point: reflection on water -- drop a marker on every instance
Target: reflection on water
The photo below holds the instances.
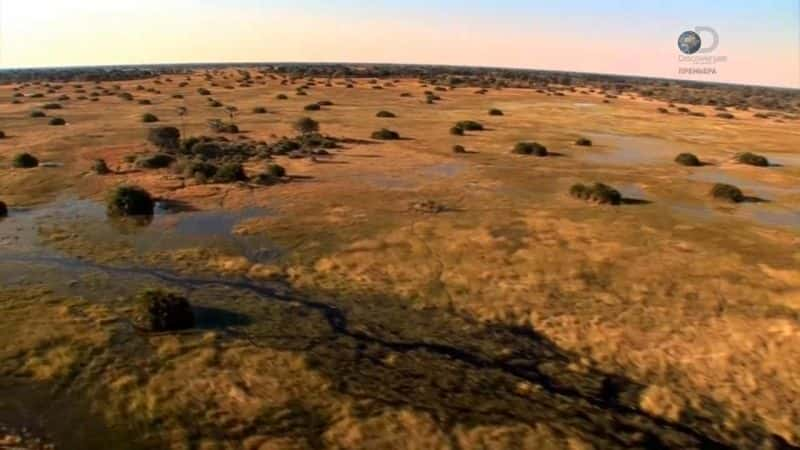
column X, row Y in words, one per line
column 21, row 231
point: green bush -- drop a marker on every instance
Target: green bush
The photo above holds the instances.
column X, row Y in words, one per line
column 156, row 161
column 325, row 103
column 149, row 118
column 37, row 114
column 276, row 170
column 312, row 107
column 456, row 131
column 100, row 167
column 127, row 96
column 203, row 91
column 282, row 97
column 688, row 159
column 583, row 142
column 727, row 192
column 495, row 112
column 530, row 148
column 24, row 161
column 158, row 310
column 51, row 106
column 459, row 149
column 129, row 201
column 306, row 125
column 57, row 121
column 385, row 134
column 165, row 138
column 3, row 209
column 598, row 193
column 385, row 114
column 752, row 159
column 145, row 101
column 259, row 110
column 230, row 173
column 469, row 125
column 726, row 115
column 2, row 134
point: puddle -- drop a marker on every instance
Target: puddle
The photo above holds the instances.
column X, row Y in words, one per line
column 628, row 150
column 750, row 187
column 20, row 231
column 762, row 214
column 450, row 169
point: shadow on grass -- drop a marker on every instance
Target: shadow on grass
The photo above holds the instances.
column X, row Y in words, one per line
column 383, row 353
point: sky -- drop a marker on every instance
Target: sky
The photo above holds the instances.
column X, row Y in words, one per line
column 760, row 39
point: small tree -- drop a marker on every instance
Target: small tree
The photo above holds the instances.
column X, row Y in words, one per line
column 306, row 125
column 165, row 138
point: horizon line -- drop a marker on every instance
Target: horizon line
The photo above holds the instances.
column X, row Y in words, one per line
column 343, row 63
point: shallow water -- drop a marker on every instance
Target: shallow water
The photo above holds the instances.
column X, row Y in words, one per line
column 749, row 186
column 21, row 231
column 627, row 150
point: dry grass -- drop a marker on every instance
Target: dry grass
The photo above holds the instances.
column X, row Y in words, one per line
column 698, row 311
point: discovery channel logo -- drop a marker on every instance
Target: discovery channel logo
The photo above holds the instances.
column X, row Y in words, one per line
column 696, row 48
column 690, row 42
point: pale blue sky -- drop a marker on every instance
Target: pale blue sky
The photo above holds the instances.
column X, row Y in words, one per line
column 761, row 39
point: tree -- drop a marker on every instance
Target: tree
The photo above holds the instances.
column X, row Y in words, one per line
column 306, row 125
column 165, row 138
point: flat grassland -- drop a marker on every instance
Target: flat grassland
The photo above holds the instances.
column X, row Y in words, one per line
column 395, row 294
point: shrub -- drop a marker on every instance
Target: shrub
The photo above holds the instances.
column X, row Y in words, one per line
column 129, row 201
column 223, row 127
column 583, row 142
column 325, row 103
column 726, row 115
column 306, row 125
column 752, row 159
column 469, row 125
column 203, row 91
column 36, row 114
column 459, row 149
column 276, row 170
column 598, row 193
column 200, row 170
column 57, row 121
column 312, row 107
column 156, row 161
column 165, row 138
column 51, row 106
column 282, row 97
column 722, row 191
column 3, row 209
column 127, row 96
column 385, row 114
column 495, row 112
column 456, row 131
column 24, row 161
column 385, row 134
column 2, row 134
column 145, row 101
column 159, row 310
column 230, row 173
column 149, row 118
column 530, row 148
column 178, row 96
column 259, row 110
column 688, row 159
column 663, row 110
column 100, row 167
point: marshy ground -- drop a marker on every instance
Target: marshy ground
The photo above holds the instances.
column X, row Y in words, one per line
column 393, row 293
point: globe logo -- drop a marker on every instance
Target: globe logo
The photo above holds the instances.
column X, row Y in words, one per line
column 689, row 42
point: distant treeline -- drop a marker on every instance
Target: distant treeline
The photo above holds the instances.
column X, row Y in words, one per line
column 673, row 91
